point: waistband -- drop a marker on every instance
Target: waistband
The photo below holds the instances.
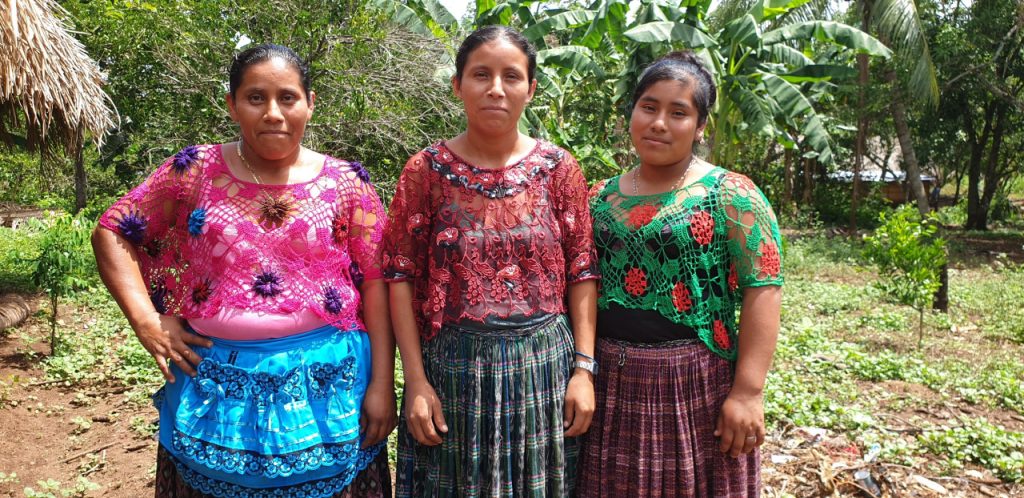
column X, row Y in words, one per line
column 527, row 329
column 294, row 341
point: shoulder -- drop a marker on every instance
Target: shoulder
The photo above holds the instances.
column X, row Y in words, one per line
column 346, row 169
column 603, row 185
column 194, row 157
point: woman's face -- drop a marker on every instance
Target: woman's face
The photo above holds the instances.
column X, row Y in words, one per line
column 271, row 108
column 664, row 124
column 495, row 88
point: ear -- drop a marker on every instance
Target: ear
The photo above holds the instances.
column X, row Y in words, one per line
column 533, row 90
column 230, row 99
column 312, row 102
column 457, row 87
column 699, row 132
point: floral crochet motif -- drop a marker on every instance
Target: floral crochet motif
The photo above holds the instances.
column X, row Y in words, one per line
column 208, row 253
column 703, row 244
column 323, row 375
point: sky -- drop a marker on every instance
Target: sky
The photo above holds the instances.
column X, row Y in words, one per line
column 457, row 7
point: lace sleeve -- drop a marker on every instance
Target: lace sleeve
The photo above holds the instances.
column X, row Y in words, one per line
column 572, row 206
column 146, row 213
column 753, row 233
column 367, row 223
column 405, row 242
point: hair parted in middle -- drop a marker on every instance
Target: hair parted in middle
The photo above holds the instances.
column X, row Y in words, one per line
column 488, row 34
column 685, row 67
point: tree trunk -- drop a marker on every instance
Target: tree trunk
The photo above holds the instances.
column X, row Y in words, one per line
column 80, row 178
column 808, row 180
column 977, row 216
column 991, row 171
column 13, row 311
column 862, row 118
column 899, row 117
column 787, row 191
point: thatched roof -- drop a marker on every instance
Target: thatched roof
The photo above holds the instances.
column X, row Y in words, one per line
column 48, row 83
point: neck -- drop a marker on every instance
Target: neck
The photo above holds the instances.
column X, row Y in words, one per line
column 272, row 171
column 492, row 151
column 667, row 175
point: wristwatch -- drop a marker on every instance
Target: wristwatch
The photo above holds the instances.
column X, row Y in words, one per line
column 590, row 366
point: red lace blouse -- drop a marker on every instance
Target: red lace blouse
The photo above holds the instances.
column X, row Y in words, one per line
column 484, row 245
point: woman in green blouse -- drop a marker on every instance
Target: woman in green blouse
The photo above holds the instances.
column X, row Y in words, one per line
column 682, row 245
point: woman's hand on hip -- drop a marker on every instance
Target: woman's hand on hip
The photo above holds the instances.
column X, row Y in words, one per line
column 740, row 426
column 165, row 338
column 423, row 413
column 579, row 403
column 379, row 416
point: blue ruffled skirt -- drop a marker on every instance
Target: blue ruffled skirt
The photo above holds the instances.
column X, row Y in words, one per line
column 276, row 417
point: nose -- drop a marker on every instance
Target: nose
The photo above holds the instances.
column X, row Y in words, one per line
column 496, row 89
column 658, row 124
column 273, row 113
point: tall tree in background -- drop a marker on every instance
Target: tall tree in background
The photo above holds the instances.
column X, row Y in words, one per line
column 912, row 77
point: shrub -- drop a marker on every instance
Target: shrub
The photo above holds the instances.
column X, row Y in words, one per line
column 910, row 257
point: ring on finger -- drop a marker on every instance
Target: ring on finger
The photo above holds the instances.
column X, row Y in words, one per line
column 751, row 438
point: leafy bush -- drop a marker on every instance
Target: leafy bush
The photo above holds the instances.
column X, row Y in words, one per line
column 910, row 257
column 65, row 263
column 978, row 441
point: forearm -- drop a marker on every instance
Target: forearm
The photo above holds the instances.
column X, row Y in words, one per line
column 121, row 272
column 583, row 315
column 378, row 328
column 407, row 333
column 759, row 332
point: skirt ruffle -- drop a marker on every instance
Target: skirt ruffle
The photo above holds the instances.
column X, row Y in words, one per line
column 270, row 414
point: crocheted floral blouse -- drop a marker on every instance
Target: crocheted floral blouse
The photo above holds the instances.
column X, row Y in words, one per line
column 489, row 244
column 207, row 240
column 688, row 253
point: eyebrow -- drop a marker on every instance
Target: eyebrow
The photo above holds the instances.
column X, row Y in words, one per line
column 678, row 103
column 506, row 68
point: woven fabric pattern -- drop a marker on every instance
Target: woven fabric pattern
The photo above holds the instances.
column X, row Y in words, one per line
column 503, row 398
column 653, row 430
column 207, row 240
column 687, row 253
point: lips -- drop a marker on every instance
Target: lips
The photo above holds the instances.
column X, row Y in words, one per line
column 656, row 141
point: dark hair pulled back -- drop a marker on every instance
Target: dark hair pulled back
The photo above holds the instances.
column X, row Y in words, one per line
column 262, row 53
column 684, row 67
column 488, row 34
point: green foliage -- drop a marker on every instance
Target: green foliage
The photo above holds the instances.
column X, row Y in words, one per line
column 18, row 251
column 52, row 488
column 65, row 263
column 978, row 441
column 910, row 257
column 831, row 200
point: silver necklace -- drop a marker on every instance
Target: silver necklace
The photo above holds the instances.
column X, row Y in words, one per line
column 675, row 186
column 238, row 148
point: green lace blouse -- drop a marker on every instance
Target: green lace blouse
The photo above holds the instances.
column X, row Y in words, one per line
column 688, row 253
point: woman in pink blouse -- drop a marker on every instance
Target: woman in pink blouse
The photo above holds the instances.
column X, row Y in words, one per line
column 491, row 263
column 251, row 272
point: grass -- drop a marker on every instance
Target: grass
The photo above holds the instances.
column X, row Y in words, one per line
column 843, row 356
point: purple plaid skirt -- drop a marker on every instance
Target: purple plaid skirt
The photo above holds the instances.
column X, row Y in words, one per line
column 653, row 431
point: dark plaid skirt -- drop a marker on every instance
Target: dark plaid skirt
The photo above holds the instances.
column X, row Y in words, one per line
column 653, row 430
column 373, row 482
column 503, row 394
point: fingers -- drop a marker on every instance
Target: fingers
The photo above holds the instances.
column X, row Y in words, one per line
column 569, row 413
column 580, row 423
column 161, row 363
column 195, row 340
column 438, row 417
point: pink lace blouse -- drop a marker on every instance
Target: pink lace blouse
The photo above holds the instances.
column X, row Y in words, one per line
column 210, row 242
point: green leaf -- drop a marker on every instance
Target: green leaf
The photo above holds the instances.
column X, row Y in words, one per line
column 441, row 15
column 756, row 115
column 741, row 31
column 830, row 31
column 820, row 72
column 670, row 32
column 572, row 57
column 765, row 10
column 559, row 22
column 403, row 16
column 787, row 55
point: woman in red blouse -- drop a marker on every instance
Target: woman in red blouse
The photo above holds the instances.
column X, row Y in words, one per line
column 491, row 258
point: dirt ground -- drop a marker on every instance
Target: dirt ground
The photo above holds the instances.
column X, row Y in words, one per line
column 44, row 436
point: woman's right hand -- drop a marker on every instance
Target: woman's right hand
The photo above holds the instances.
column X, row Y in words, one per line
column 165, row 338
column 423, row 413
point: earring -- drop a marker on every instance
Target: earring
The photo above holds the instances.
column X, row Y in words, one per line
column 701, row 140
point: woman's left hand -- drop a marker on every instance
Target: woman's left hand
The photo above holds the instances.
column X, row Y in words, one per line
column 579, row 403
column 740, row 426
column 380, row 415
